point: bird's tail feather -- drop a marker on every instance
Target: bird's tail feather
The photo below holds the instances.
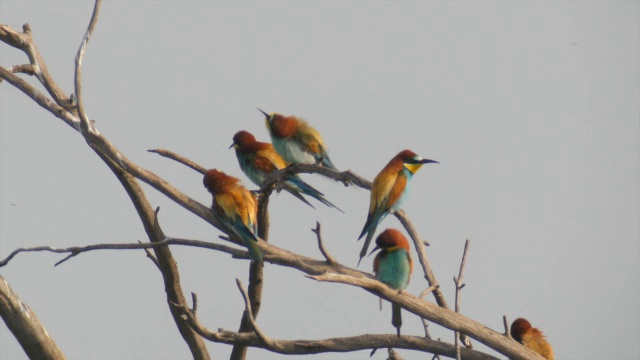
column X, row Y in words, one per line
column 255, row 251
column 367, row 241
column 293, row 191
column 396, row 317
column 306, row 189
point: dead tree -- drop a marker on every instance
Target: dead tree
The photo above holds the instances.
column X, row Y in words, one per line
column 71, row 110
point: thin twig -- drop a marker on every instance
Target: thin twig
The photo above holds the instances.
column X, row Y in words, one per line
column 194, row 300
column 150, row 256
column 427, row 335
column 85, row 125
column 179, row 158
column 75, row 250
column 507, row 331
column 323, row 250
column 247, row 307
column 459, row 285
column 428, row 290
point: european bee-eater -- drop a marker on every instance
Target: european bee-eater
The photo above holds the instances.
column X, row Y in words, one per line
column 296, row 141
column 258, row 159
column 236, row 207
column 522, row 332
column 393, row 266
column 389, row 191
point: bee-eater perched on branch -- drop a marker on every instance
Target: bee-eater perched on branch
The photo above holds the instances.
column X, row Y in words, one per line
column 393, row 266
column 389, row 191
column 296, row 141
column 522, row 332
column 258, row 159
column 236, row 207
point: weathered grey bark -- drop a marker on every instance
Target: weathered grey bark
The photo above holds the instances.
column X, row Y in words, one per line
column 25, row 326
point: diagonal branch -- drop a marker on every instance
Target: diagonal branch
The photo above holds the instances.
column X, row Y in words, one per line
column 167, row 265
column 40, row 99
column 24, row 41
column 179, row 158
column 25, row 326
column 433, row 313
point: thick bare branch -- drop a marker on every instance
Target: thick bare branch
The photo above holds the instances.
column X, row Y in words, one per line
column 346, row 344
column 433, row 313
column 25, row 326
column 23, row 68
column 167, row 265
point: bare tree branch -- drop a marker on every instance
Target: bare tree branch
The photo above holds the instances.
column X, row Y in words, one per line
column 179, row 158
column 433, row 313
column 256, row 277
column 40, row 98
column 168, row 266
column 237, row 253
column 323, row 250
column 25, row 326
column 346, row 344
column 78, row 70
column 247, row 308
column 459, row 285
column 24, row 41
column 23, row 68
column 507, row 332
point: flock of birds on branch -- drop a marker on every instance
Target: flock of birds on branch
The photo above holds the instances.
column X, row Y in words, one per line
column 294, row 141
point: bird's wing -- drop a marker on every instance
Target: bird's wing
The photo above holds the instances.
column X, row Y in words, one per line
column 238, row 204
column 271, row 156
column 384, row 191
column 397, row 189
column 311, row 140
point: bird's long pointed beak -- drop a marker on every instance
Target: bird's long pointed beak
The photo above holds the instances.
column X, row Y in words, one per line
column 426, row 161
column 262, row 111
column 374, row 250
column 232, row 145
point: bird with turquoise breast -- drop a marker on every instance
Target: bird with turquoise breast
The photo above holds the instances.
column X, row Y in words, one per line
column 389, row 191
column 296, row 141
column 259, row 159
column 236, row 207
column 393, row 266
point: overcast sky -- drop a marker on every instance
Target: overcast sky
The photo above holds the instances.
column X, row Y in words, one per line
column 532, row 109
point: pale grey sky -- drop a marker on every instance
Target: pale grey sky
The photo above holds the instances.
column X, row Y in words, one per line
column 532, row 108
